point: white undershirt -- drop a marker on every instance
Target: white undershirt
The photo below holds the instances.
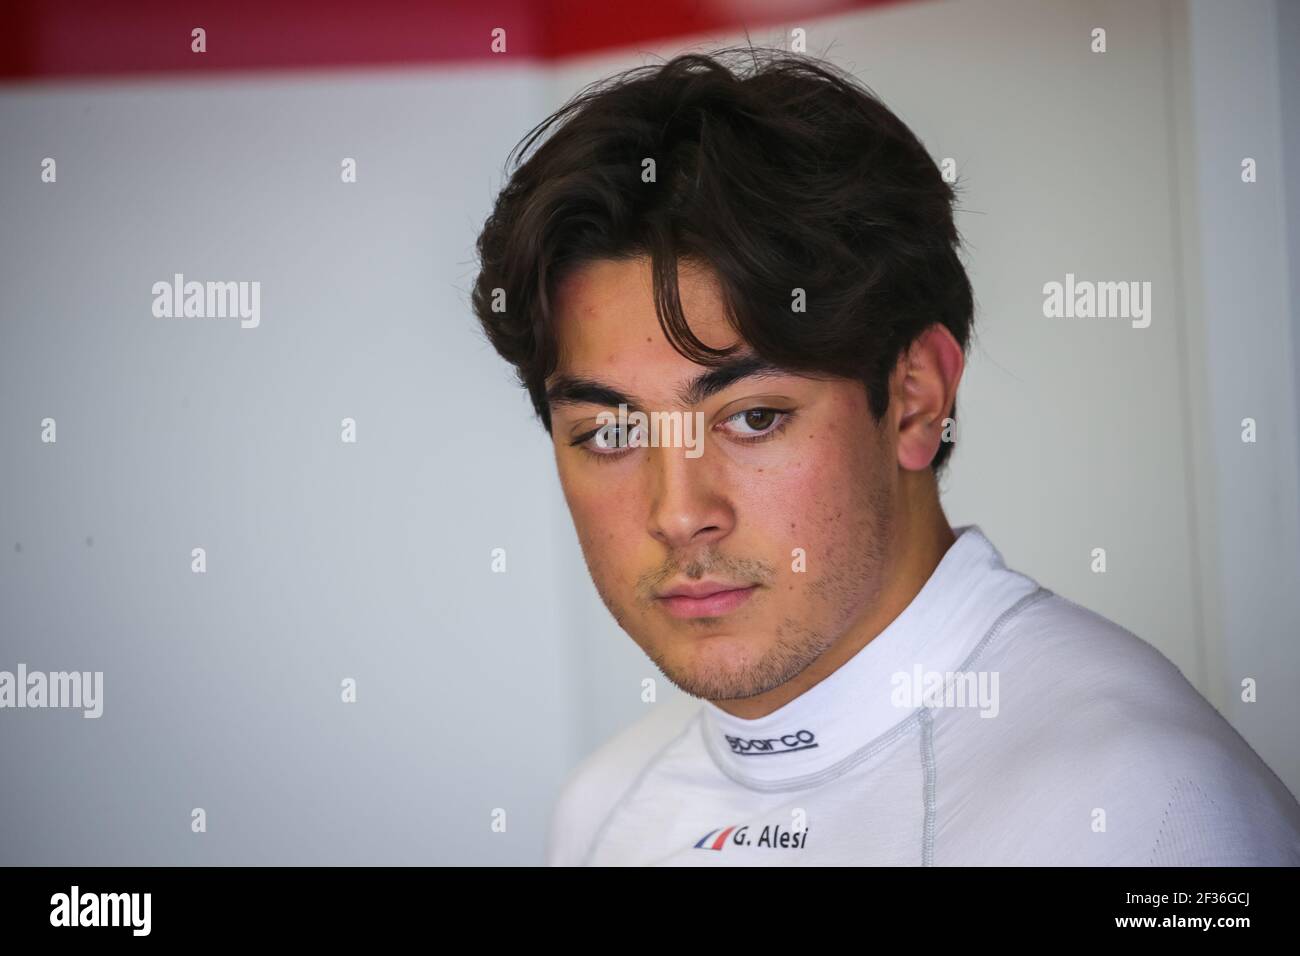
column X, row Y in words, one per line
column 1092, row 750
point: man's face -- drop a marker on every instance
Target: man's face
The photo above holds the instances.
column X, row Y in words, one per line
column 737, row 568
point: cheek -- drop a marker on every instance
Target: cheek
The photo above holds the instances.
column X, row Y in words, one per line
column 827, row 504
column 818, row 496
column 605, row 519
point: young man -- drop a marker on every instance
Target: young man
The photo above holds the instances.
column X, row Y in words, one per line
column 733, row 292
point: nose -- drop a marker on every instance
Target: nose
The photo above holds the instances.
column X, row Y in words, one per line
column 688, row 504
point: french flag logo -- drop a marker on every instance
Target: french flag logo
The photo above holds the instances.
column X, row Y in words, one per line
column 717, row 844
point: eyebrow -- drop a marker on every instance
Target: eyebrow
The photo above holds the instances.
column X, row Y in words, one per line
column 572, row 390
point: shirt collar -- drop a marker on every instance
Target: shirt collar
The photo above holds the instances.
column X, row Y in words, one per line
column 837, row 718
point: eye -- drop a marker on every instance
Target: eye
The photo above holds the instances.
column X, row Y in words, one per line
column 755, row 424
column 609, row 441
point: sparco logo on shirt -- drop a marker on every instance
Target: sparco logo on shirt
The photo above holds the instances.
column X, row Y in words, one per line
column 771, row 837
column 786, row 744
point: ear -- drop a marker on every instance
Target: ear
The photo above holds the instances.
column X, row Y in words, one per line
column 922, row 392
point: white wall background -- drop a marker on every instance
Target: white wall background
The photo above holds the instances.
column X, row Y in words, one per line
column 1246, row 261
column 480, row 691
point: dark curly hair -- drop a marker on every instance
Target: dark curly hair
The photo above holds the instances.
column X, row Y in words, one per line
column 778, row 172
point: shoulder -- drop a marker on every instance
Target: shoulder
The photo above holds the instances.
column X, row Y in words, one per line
column 1103, row 670
column 605, row 776
column 1110, row 722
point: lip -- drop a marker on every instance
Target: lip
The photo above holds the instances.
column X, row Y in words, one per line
column 704, row 600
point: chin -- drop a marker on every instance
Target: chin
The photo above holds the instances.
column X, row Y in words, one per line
column 725, row 659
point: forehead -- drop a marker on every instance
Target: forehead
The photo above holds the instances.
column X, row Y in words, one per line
column 606, row 325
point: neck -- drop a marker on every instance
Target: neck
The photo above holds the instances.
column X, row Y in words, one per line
column 923, row 537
